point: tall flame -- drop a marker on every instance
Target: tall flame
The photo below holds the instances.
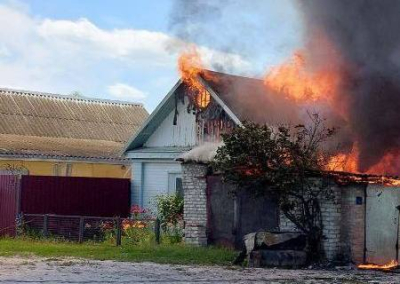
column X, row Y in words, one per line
column 296, row 82
column 190, row 67
column 299, row 82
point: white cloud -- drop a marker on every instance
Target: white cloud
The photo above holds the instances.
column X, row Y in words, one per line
column 126, row 92
column 128, row 44
column 65, row 55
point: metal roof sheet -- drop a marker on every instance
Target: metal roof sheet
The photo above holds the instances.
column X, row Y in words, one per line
column 71, row 126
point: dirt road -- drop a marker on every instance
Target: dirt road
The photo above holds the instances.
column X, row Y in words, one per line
column 42, row 270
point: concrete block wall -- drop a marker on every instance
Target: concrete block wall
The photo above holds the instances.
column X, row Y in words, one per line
column 195, row 207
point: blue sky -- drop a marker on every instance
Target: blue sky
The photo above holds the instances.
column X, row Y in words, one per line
column 127, row 49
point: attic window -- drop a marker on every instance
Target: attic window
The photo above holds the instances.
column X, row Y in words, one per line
column 203, row 99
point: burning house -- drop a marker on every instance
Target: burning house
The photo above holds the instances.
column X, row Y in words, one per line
column 194, row 112
column 348, row 72
column 172, row 151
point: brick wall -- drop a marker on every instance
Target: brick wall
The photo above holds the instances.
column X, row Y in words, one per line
column 331, row 219
column 343, row 219
column 343, row 224
column 195, row 207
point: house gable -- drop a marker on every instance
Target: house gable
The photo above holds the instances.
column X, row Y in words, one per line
column 175, row 124
column 182, row 133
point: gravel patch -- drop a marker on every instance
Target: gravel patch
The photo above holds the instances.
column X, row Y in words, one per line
column 69, row 270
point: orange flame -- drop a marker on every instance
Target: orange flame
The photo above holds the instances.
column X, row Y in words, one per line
column 190, row 67
column 348, row 162
column 388, row 266
column 297, row 82
column 344, row 162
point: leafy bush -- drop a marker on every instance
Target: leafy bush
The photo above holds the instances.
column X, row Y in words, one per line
column 170, row 209
column 170, row 213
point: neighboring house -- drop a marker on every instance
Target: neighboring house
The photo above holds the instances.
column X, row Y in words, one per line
column 46, row 134
column 186, row 118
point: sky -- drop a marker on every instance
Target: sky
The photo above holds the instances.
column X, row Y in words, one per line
column 127, row 49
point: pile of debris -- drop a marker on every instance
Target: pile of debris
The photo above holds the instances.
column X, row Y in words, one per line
column 274, row 249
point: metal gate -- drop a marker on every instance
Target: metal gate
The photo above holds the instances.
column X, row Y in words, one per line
column 230, row 218
column 9, row 197
column 382, row 223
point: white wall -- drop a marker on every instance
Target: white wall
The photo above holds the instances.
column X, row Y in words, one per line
column 182, row 134
column 152, row 176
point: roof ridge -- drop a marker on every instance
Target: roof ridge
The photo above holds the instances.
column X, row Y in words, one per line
column 67, row 97
column 231, row 75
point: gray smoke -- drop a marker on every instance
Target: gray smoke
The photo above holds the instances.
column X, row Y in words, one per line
column 233, row 26
column 366, row 34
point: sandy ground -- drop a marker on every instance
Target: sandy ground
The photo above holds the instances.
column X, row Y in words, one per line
column 41, row 270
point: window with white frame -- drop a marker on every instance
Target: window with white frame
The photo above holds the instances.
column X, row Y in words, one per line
column 175, row 184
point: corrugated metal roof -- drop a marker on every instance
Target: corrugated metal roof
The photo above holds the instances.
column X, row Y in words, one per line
column 70, row 126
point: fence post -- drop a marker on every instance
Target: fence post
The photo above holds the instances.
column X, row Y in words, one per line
column 45, row 225
column 157, row 226
column 81, row 229
column 119, row 233
column 19, row 224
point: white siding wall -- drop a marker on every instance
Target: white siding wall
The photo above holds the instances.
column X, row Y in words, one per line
column 136, row 182
column 182, row 134
column 153, row 176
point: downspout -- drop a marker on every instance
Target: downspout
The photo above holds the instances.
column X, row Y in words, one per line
column 365, row 225
column 141, row 184
column 397, row 235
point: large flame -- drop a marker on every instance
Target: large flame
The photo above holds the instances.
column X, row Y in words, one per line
column 299, row 82
column 349, row 162
column 191, row 68
column 388, row 266
column 296, row 81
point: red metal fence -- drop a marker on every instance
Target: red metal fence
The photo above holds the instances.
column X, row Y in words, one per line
column 105, row 197
column 102, row 197
column 9, row 195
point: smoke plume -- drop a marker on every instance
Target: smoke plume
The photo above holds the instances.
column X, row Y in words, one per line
column 365, row 34
column 239, row 27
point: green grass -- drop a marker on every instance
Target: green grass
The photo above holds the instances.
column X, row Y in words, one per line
column 173, row 254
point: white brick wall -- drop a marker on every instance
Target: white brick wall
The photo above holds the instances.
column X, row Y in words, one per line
column 195, row 208
column 331, row 218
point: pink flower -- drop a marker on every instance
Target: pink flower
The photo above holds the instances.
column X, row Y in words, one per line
column 136, row 209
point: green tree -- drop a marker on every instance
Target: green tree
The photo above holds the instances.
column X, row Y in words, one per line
column 286, row 163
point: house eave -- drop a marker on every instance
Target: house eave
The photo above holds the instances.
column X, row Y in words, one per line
column 170, row 153
column 58, row 158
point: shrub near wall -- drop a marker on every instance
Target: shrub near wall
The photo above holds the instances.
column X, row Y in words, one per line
column 170, row 214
